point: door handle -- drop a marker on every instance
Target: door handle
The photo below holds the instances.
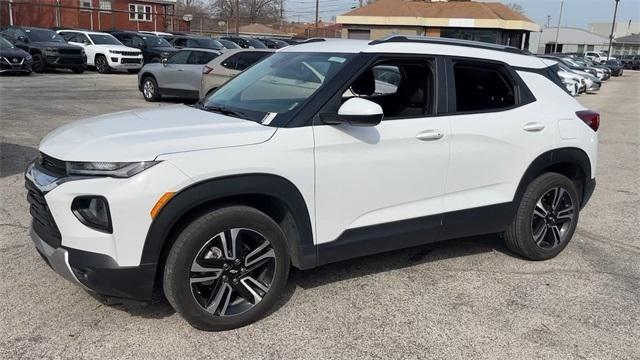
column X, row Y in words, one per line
column 533, row 127
column 429, row 135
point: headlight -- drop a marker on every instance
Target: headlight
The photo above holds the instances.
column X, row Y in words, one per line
column 28, row 57
column 113, row 169
column 114, row 52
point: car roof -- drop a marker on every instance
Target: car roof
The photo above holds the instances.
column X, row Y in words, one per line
column 202, row 49
column 85, row 32
column 422, row 45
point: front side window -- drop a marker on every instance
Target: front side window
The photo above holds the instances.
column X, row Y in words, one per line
column 180, row 57
column 482, row 87
column 269, row 89
column 139, row 12
column 403, row 87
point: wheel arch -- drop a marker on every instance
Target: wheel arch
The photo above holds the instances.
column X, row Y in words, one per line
column 277, row 197
column 571, row 162
column 145, row 75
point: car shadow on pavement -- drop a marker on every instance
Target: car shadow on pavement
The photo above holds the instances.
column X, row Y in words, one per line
column 14, row 158
column 398, row 259
column 344, row 270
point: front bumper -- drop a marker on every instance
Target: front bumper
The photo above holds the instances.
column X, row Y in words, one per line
column 98, row 273
column 66, row 61
column 125, row 62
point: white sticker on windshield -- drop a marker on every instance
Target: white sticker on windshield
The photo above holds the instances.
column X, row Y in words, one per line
column 267, row 119
column 337, row 59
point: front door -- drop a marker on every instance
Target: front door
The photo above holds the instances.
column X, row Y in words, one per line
column 368, row 176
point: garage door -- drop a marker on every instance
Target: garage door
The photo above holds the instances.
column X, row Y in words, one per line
column 359, row 34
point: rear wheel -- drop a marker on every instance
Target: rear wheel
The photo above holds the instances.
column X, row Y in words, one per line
column 546, row 218
column 227, row 268
column 150, row 89
column 102, row 65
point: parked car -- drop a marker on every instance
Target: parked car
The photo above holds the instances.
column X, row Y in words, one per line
column 214, row 203
column 616, row 67
column 598, row 56
column 245, row 42
column 177, row 76
column 588, row 63
column 157, row 33
column 567, row 61
column 13, row 60
column 192, row 41
column 273, row 43
column 228, row 44
column 48, row 49
column 104, row 52
column 154, row 48
column 226, row 66
column 631, row 62
column 291, row 41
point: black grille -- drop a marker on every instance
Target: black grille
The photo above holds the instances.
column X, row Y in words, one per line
column 43, row 223
column 130, row 61
column 69, row 51
column 57, row 167
column 129, row 53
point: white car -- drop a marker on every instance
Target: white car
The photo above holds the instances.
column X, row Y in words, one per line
column 598, row 56
column 214, row 203
column 104, row 52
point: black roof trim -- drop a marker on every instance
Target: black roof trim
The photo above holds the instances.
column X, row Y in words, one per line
column 449, row 41
column 312, row 40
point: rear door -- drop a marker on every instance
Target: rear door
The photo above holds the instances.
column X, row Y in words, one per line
column 171, row 76
column 192, row 70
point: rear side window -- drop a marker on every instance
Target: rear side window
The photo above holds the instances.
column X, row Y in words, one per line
column 230, row 63
column 482, row 87
column 249, row 58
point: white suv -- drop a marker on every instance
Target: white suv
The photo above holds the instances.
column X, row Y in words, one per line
column 283, row 167
column 104, row 51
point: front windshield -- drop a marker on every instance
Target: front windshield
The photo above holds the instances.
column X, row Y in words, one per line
column 571, row 62
column 155, row 41
column 104, row 39
column 5, row 44
column 37, row 35
column 276, row 86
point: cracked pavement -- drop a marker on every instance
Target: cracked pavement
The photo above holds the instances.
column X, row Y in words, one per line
column 460, row 299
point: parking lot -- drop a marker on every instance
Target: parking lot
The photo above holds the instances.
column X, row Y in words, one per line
column 451, row 300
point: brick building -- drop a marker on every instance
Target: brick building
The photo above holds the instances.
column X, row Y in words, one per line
column 150, row 15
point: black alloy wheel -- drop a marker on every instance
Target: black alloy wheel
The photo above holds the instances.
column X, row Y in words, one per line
column 102, row 65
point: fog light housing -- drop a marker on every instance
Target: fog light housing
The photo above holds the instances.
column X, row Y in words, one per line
column 93, row 211
column 115, row 60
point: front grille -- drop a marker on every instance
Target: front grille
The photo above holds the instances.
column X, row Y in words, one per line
column 69, row 51
column 57, row 167
column 43, row 223
column 129, row 53
column 130, row 61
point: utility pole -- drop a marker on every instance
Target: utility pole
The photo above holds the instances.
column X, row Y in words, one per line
column 317, row 7
column 613, row 27
column 237, row 17
column 548, row 20
column 555, row 45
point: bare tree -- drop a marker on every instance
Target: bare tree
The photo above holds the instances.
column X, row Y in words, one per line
column 516, row 7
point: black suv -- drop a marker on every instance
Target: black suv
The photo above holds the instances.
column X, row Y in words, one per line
column 245, row 42
column 154, row 48
column 190, row 41
column 48, row 49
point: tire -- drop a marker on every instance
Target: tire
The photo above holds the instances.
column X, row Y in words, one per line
column 102, row 65
column 79, row 70
column 535, row 236
column 150, row 89
column 38, row 63
column 225, row 296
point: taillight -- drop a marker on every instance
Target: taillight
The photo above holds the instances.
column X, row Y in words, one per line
column 590, row 118
column 207, row 69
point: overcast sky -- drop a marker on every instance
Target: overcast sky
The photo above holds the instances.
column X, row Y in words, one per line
column 576, row 12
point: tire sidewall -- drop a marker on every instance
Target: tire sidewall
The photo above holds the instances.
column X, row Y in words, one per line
column 104, row 68
column 540, row 186
column 41, row 68
column 191, row 240
column 153, row 82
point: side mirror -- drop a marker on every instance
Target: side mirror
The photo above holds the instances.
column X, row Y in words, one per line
column 23, row 39
column 164, row 61
column 355, row 112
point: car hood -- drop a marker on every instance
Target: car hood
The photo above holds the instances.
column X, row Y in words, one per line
column 118, row 47
column 54, row 44
column 144, row 134
column 13, row 52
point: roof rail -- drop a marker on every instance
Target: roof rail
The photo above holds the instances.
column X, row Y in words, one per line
column 449, row 41
column 312, row 40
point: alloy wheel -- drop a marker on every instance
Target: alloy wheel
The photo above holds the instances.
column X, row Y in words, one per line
column 148, row 89
column 552, row 218
column 101, row 65
column 232, row 272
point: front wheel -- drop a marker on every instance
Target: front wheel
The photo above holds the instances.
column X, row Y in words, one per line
column 546, row 218
column 227, row 268
column 102, row 65
column 150, row 89
column 38, row 63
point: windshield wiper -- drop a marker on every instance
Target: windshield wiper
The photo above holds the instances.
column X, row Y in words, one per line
column 222, row 110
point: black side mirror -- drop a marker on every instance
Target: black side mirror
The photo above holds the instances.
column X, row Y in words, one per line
column 355, row 112
column 23, row 39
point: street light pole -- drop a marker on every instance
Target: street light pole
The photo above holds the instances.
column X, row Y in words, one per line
column 613, row 27
column 555, row 45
